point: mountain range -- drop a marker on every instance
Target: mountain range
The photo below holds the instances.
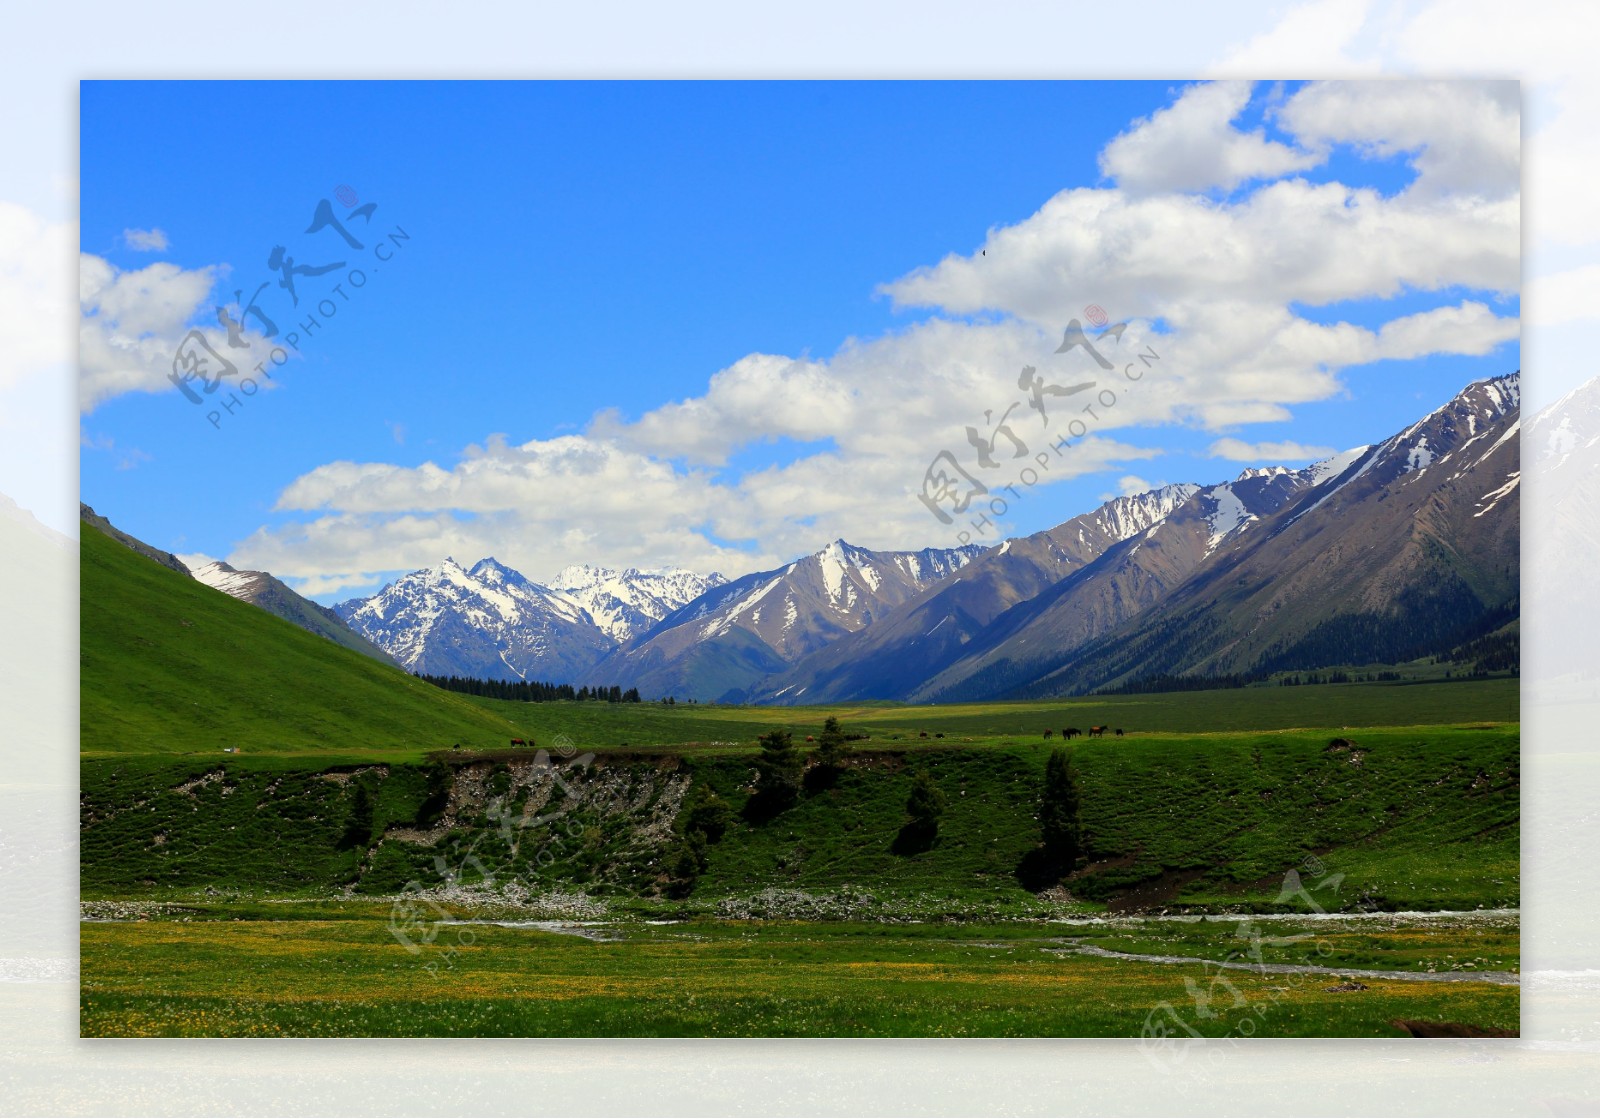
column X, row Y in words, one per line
column 727, row 641
column 666, row 631
column 1388, row 552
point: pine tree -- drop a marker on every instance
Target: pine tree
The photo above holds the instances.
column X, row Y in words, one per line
column 440, row 779
column 1059, row 823
column 688, row 863
column 358, row 830
column 830, row 745
column 778, row 771
column 706, row 813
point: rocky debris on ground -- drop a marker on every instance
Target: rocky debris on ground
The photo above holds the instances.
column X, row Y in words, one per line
column 1059, row 895
column 127, row 910
column 1347, row 985
column 514, row 899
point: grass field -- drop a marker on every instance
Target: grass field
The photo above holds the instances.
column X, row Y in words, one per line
column 351, row 977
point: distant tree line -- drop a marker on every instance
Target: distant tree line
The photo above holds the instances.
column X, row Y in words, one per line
column 529, row 691
column 1496, row 652
column 1165, row 682
column 1339, row 676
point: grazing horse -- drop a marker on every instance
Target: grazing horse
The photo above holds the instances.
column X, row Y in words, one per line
column 1071, row 732
column 1097, row 732
column 1119, row 732
column 1047, row 735
column 518, row 742
column 923, row 734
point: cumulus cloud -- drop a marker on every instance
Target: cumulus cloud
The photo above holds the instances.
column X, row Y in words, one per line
column 1462, row 137
column 1469, row 328
column 132, row 322
column 1192, row 145
column 543, row 504
column 1282, row 452
column 145, row 240
column 1288, row 242
column 762, row 396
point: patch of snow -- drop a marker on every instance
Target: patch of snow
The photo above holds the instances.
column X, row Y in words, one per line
column 718, row 626
column 1507, row 434
column 1319, row 472
column 1493, row 496
column 1420, row 456
column 1228, row 516
column 226, row 579
column 832, row 563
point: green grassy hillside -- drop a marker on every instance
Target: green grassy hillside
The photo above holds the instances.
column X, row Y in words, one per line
column 169, row 666
column 1410, row 820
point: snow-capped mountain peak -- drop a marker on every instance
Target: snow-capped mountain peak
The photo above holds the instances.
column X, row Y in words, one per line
column 492, row 621
column 1123, row 518
column 628, row 602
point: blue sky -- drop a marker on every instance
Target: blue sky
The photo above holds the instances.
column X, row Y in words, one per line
column 574, row 248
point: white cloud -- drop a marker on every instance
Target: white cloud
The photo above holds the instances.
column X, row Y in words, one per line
column 1289, row 241
column 132, row 323
column 145, row 240
column 1461, row 136
column 1192, row 145
column 761, row 396
column 1283, row 452
column 542, row 504
column 1470, row 328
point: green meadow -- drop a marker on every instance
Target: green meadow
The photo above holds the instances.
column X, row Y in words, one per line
column 255, row 892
